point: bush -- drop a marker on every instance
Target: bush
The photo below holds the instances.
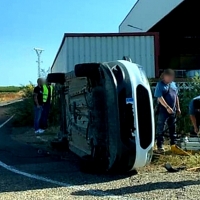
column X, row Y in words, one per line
column 185, row 96
column 24, row 111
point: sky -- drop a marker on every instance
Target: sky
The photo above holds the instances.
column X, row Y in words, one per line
column 28, row 24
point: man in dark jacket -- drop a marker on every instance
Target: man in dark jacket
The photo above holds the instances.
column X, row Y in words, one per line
column 38, row 103
column 166, row 93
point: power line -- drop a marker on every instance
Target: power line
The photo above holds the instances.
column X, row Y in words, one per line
column 39, row 52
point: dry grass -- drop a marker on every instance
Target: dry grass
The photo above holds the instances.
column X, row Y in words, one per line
column 176, row 160
column 9, row 96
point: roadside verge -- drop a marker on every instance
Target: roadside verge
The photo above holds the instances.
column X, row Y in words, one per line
column 10, row 102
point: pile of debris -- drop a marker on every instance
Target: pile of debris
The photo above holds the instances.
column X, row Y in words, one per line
column 186, row 146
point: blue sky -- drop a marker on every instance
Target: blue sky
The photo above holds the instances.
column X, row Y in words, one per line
column 25, row 24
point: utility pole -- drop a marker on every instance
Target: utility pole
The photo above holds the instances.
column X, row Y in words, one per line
column 38, row 52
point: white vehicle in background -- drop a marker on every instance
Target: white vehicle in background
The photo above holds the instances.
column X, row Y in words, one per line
column 107, row 114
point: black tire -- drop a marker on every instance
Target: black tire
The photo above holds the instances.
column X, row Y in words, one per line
column 86, row 69
column 56, row 78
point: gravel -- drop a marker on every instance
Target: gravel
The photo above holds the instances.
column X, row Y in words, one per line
column 146, row 185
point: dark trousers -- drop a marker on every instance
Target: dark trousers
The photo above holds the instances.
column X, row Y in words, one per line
column 45, row 115
column 163, row 117
column 37, row 117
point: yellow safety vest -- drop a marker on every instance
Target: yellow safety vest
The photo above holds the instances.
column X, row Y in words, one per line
column 46, row 92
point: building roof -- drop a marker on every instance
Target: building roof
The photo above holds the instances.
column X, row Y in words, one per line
column 146, row 13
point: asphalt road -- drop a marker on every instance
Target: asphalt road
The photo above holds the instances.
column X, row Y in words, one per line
column 46, row 177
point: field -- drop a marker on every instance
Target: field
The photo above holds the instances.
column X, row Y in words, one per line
column 10, row 93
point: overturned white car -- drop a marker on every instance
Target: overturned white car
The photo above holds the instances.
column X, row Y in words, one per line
column 107, row 113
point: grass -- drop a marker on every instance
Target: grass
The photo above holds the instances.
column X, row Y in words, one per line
column 9, row 96
column 10, row 89
column 9, row 93
column 176, row 160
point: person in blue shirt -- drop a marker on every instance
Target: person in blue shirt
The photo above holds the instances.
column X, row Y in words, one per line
column 194, row 112
column 166, row 93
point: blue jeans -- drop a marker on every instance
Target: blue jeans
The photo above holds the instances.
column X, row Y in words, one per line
column 45, row 115
column 37, row 117
column 163, row 117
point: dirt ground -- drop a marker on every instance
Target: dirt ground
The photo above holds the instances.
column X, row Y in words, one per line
column 26, row 135
column 9, row 96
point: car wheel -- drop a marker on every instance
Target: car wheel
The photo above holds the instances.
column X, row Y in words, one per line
column 56, row 78
column 86, row 70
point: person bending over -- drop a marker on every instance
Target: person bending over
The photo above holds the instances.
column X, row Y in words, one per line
column 194, row 112
column 166, row 93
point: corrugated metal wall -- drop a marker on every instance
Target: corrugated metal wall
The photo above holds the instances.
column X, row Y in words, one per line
column 77, row 50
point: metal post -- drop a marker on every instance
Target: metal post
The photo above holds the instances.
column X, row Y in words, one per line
column 38, row 52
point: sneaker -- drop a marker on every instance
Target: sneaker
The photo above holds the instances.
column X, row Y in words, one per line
column 36, row 132
column 41, row 131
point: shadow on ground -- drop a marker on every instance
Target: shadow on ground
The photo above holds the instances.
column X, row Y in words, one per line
column 25, row 158
column 141, row 188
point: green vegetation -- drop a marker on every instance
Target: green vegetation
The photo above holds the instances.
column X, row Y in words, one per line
column 10, row 89
column 185, row 96
column 24, row 110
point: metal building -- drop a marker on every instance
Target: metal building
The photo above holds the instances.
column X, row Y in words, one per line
column 142, row 48
column 146, row 13
column 176, row 21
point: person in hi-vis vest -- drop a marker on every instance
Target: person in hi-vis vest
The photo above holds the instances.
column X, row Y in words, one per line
column 47, row 99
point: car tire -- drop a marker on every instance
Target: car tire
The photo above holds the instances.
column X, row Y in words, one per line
column 56, row 78
column 86, row 70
